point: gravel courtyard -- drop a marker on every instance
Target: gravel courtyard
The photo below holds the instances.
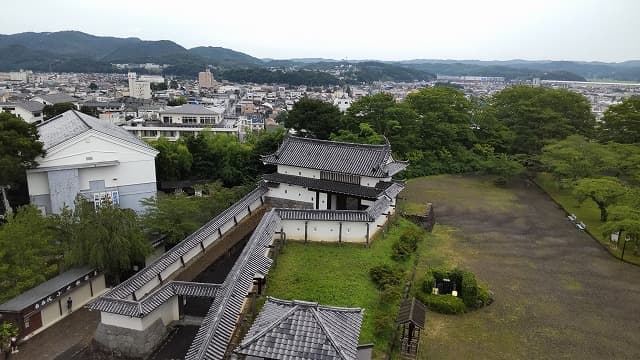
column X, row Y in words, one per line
column 558, row 293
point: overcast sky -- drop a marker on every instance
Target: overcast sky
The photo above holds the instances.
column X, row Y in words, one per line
column 603, row 30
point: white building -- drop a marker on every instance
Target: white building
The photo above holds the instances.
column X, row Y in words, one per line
column 343, row 102
column 94, row 159
column 184, row 120
column 29, row 111
column 139, row 89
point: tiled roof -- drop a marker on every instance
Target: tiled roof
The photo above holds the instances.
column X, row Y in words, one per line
column 328, row 185
column 126, row 288
column 155, row 299
column 341, row 157
column 324, row 215
column 214, row 334
column 72, row 123
column 57, row 98
column 32, row 106
column 303, row 330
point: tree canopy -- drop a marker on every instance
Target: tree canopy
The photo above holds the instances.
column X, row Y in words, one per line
column 604, row 192
column 621, row 122
column 28, row 253
column 313, row 118
column 19, row 147
column 536, row 115
column 50, row 111
column 105, row 237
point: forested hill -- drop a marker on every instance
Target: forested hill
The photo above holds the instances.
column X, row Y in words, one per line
column 74, row 51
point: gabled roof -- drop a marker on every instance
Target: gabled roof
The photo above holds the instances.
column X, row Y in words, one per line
column 334, row 156
column 303, row 330
column 412, row 311
column 72, row 123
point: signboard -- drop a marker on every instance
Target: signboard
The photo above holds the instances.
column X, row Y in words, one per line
column 106, row 197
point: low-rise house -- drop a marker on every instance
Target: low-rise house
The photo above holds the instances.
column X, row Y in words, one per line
column 57, row 98
column 44, row 305
column 92, row 158
column 29, row 111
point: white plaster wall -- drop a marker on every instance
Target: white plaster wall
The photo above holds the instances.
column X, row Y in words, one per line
column 206, row 242
column 366, row 202
column 327, row 231
column 168, row 312
column 99, row 285
column 51, row 312
column 166, row 273
column 192, row 253
column 127, row 322
column 38, row 183
column 298, row 171
column 293, row 192
column 123, row 174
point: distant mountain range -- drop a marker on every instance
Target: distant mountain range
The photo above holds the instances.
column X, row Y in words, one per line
column 74, row 51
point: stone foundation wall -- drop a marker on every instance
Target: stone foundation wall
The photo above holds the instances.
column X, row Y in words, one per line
column 128, row 343
column 426, row 221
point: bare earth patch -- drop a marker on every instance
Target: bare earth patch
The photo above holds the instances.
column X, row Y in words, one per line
column 558, row 293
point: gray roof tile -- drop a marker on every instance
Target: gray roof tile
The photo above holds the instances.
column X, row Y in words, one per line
column 72, row 123
column 358, row 159
column 303, row 330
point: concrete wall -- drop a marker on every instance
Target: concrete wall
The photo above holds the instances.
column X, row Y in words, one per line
column 65, row 185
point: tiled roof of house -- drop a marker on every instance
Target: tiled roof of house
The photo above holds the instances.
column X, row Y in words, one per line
column 72, row 123
column 341, row 157
column 324, row 215
column 303, row 330
column 57, row 98
column 412, row 310
column 329, row 185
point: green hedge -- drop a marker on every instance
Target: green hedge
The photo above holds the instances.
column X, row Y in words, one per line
column 406, row 245
column 384, row 276
column 471, row 294
column 445, row 304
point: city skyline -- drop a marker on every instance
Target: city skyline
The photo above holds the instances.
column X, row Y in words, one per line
column 592, row 30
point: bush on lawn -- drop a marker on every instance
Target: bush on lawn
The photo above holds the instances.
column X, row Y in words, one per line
column 406, row 245
column 384, row 276
column 472, row 295
column 445, row 304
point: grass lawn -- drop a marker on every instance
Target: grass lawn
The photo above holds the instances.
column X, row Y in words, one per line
column 586, row 212
column 338, row 275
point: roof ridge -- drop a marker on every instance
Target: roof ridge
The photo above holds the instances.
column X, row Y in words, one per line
column 338, row 143
column 316, row 314
column 270, row 327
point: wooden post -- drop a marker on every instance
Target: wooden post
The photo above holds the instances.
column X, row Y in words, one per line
column 306, row 223
column 367, row 234
column 340, row 234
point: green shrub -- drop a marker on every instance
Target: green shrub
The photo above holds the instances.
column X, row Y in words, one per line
column 469, row 290
column 382, row 322
column 484, row 296
column 390, row 295
column 400, row 251
column 384, row 275
column 428, row 283
column 445, row 304
column 411, row 238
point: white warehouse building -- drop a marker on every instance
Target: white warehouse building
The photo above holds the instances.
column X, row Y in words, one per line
column 92, row 158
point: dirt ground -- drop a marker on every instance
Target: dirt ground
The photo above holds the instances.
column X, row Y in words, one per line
column 559, row 294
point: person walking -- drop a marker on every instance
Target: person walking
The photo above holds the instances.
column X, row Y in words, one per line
column 14, row 345
column 69, row 304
